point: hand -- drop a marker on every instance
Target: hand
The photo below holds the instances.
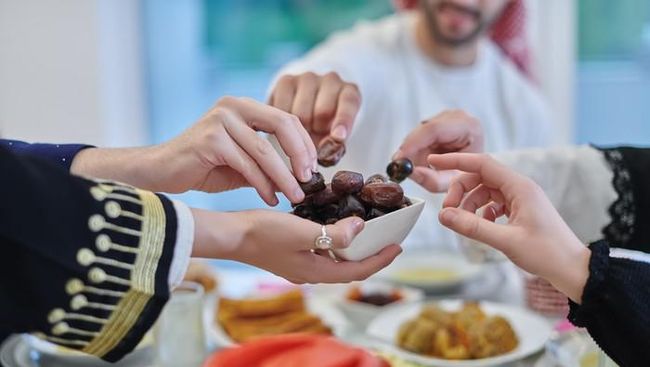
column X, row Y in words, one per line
column 449, row 131
column 535, row 236
column 222, row 151
column 326, row 105
column 281, row 244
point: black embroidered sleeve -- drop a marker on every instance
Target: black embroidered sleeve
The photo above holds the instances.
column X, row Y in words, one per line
column 616, row 306
column 84, row 263
column 630, row 213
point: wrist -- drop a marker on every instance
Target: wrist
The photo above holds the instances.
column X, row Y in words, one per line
column 218, row 235
column 574, row 272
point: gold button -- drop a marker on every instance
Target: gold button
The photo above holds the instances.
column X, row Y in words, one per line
column 56, row 315
column 113, row 209
column 85, row 257
column 60, row 328
column 74, row 286
column 98, row 193
column 97, row 275
column 103, row 242
column 96, row 222
column 78, row 302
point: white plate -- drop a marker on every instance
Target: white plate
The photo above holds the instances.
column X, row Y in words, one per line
column 532, row 331
column 445, row 270
column 320, row 307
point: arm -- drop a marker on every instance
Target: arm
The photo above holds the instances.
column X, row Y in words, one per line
column 85, row 263
column 606, row 183
column 221, row 151
column 609, row 296
column 60, row 154
column 89, row 264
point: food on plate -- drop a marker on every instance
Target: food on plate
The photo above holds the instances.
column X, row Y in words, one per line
column 200, row 272
column 295, row 350
column 377, row 297
column 330, row 151
column 422, row 274
column 348, row 195
column 465, row 334
column 248, row 319
column 399, row 169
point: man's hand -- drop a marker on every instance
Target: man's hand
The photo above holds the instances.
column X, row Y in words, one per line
column 535, row 236
column 326, row 105
column 222, row 151
column 449, row 131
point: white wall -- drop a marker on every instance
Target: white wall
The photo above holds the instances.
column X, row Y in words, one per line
column 553, row 34
column 70, row 71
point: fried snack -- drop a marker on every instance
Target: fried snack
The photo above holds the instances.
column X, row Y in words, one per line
column 282, row 304
column 244, row 320
column 465, row 334
column 202, row 273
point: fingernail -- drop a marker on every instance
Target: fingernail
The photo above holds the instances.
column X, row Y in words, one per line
column 340, row 132
column 448, row 215
column 299, row 194
column 397, row 155
column 358, row 224
column 274, row 201
column 306, row 175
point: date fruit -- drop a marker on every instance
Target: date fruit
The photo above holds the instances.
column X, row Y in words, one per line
column 383, row 195
column 349, row 206
column 347, row 195
column 317, row 183
column 347, row 182
column 330, row 151
column 325, row 196
column 398, row 170
column 376, row 179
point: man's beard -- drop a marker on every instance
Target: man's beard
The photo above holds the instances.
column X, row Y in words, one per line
column 438, row 34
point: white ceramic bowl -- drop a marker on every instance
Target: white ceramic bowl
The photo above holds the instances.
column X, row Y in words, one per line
column 378, row 233
column 360, row 313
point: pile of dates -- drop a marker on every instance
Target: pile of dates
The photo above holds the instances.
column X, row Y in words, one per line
column 347, row 195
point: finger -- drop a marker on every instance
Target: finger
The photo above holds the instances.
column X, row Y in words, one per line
column 262, row 152
column 291, row 136
column 417, row 140
column 305, row 98
column 284, row 92
column 327, row 271
column 493, row 174
column 459, row 186
column 472, row 226
column 326, row 101
column 348, row 106
column 480, row 196
column 236, row 158
column 344, row 231
column 432, row 180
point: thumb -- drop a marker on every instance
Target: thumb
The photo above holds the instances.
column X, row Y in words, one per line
column 472, row 226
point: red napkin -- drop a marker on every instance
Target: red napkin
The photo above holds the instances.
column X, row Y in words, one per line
column 294, row 350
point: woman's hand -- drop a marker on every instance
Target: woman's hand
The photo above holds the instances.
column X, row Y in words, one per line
column 281, row 243
column 449, row 131
column 535, row 236
column 222, row 151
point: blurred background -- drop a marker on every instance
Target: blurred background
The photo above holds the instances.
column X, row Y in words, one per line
column 129, row 72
